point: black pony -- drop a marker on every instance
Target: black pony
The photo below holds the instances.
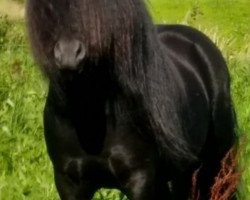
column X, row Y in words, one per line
column 131, row 105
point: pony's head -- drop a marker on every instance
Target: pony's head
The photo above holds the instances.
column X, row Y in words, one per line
column 64, row 33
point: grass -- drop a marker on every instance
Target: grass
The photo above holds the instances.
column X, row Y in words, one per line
column 25, row 170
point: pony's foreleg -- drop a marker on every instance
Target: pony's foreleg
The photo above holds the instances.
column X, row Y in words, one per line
column 68, row 189
column 142, row 186
column 136, row 169
column 67, row 157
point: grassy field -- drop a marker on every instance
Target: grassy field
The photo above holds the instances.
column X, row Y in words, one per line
column 25, row 171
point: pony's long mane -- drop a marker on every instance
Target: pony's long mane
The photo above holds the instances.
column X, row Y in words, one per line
column 122, row 31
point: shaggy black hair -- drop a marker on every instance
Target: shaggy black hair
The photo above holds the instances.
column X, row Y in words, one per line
column 131, row 105
column 131, row 42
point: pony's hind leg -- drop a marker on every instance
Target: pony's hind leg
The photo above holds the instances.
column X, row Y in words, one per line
column 206, row 175
column 221, row 138
column 181, row 186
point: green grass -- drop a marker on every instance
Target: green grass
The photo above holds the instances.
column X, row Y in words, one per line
column 25, row 170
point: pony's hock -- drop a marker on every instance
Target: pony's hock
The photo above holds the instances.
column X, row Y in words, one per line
column 151, row 104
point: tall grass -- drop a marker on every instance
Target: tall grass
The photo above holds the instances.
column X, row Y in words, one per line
column 25, row 170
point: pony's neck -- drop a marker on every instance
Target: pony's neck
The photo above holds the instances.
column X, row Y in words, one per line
column 142, row 59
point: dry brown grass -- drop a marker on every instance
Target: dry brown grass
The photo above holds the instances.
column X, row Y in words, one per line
column 12, row 9
column 195, row 192
column 227, row 180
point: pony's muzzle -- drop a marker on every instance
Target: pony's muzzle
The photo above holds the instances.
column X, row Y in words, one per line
column 69, row 53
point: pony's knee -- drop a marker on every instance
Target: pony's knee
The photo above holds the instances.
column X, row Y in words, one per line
column 137, row 179
column 120, row 162
column 123, row 161
column 73, row 169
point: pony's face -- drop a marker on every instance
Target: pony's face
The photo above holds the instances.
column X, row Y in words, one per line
column 64, row 33
column 56, row 32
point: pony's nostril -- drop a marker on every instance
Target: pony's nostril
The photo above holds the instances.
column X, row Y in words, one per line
column 79, row 49
column 80, row 52
column 57, row 53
